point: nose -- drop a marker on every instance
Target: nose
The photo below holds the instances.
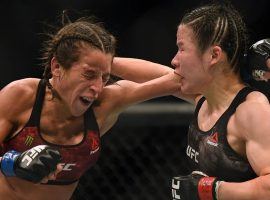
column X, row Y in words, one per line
column 96, row 86
column 174, row 61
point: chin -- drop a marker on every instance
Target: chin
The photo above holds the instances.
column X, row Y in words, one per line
column 79, row 109
column 185, row 90
column 78, row 112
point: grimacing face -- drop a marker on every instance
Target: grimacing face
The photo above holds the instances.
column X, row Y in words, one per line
column 82, row 84
column 189, row 63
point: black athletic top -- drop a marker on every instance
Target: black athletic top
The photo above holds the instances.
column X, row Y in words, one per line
column 76, row 159
column 210, row 152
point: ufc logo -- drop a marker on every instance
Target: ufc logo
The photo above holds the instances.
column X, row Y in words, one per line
column 175, row 188
column 67, row 166
column 192, row 153
column 31, row 154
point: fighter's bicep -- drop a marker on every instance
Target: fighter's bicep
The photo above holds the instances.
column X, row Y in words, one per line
column 5, row 128
column 254, row 120
column 116, row 98
column 15, row 99
column 133, row 93
column 258, row 156
column 121, row 95
column 6, row 112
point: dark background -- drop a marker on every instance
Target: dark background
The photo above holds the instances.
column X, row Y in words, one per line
column 144, row 28
column 142, row 151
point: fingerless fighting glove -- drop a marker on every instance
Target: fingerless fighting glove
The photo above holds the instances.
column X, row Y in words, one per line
column 32, row 165
column 196, row 186
column 257, row 55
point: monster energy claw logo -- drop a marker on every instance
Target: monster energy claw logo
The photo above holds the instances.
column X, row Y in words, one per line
column 28, row 141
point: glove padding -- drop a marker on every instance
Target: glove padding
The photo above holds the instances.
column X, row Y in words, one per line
column 32, row 165
column 196, row 186
column 257, row 56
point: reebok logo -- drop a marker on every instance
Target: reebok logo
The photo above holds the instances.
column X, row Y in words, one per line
column 94, row 142
column 213, row 139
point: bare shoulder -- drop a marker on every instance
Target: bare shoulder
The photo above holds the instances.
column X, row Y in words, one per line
column 253, row 113
column 125, row 93
column 22, row 88
column 112, row 89
column 255, row 103
column 112, row 94
column 105, row 110
column 18, row 95
column 257, row 97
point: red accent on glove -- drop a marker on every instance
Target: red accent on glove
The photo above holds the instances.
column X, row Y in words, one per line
column 205, row 188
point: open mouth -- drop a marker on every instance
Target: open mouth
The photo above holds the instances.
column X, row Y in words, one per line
column 86, row 101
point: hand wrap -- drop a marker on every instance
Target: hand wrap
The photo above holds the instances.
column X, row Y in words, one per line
column 196, row 186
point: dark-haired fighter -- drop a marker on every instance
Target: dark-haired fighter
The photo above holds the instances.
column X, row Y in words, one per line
column 228, row 139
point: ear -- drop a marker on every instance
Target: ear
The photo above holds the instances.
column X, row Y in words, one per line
column 55, row 67
column 216, row 54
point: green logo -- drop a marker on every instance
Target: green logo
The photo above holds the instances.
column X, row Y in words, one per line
column 28, row 141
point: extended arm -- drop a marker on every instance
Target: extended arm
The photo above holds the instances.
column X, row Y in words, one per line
column 126, row 93
column 138, row 70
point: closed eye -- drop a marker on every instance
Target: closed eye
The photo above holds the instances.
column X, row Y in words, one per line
column 89, row 76
column 105, row 78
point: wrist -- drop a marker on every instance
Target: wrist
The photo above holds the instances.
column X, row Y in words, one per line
column 217, row 189
column 208, row 188
column 7, row 163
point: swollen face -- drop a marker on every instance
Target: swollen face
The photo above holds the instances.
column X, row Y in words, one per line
column 84, row 81
column 189, row 63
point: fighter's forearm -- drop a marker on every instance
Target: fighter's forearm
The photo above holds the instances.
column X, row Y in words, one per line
column 258, row 188
column 138, row 70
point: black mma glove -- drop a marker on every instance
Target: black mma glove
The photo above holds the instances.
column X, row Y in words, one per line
column 257, row 55
column 196, row 186
column 32, row 165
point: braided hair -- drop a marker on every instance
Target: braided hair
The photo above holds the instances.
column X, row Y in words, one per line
column 222, row 25
column 66, row 43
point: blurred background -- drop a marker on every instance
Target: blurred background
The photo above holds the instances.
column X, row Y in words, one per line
column 147, row 146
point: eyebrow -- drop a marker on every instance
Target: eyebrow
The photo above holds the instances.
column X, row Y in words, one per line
column 90, row 72
column 95, row 72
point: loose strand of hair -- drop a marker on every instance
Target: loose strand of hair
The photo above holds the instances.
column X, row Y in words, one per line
column 65, row 18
